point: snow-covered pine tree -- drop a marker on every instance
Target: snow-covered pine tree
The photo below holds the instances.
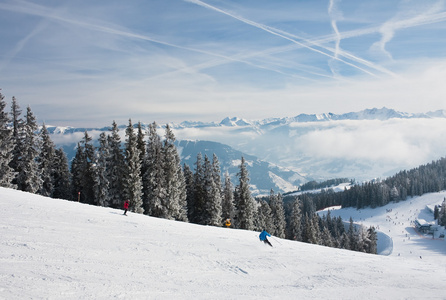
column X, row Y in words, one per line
column 306, row 230
column 140, row 137
column 345, row 241
column 62, row 177
column 228, row 209
column 190, row 191
column 311, row 231
column 101, row 177
column 174, row 203
column 295, row 227
column 46, row 161
column 77, row 166
column 326, row 238
column 278, row 214
column 182, row 188
column 153, row 178
column 83, row 170
column 264, row 219
column 17, row 137
column 116, row 167
column 370, row 244
column 199, row 192
column 6, row 148
column 436, row 212
column 28, row 178
column 317, row 230
column 442, row 214
column 140, row 140
column 132, row 183
column 245, row 204
column 352, row 236
column 216, row 174
column 212, row 196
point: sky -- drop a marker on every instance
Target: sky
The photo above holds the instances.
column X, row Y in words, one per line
column 87, row 63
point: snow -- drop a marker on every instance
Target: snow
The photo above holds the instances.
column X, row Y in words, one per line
column 59, row 249
column 396, row 225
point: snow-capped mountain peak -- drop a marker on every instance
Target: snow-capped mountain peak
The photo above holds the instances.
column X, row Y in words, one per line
column 235, row 121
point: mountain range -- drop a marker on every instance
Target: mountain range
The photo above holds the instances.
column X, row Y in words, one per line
column 283, row 153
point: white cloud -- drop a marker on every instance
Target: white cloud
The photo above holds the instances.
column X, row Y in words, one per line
column 398, row 142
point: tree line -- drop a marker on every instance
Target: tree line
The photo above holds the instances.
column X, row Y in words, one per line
column 146, row 170
column 428, row 178
column 440, row 213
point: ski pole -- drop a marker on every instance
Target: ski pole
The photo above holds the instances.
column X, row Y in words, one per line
column 276, row 240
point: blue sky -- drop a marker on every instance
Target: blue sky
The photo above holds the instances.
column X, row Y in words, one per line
column 87, row 63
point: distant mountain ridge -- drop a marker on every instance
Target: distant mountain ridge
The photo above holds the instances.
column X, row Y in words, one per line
column 367, row 114
column 285, row 152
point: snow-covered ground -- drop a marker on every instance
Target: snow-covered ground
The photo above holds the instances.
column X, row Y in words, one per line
column 397, row 235
column 65, row 250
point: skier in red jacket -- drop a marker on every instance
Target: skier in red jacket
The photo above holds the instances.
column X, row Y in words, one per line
column 126, row 206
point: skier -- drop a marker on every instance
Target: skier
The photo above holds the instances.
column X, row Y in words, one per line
column 263, row 237
column 228, row 223
column 126, row 206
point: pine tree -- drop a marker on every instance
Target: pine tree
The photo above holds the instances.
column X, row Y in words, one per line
column 278, row 212
column 345, row 241
column 326, row 238
column 77, row 166
column 216, row 173
column 101, row 176
column 46, row 161
column 182, row 214
column 141, row 144
column 371, row 242
column 442, row 214
column 245, row 204
column 264, row 220
column 62, row 176
column 154, row 190
column 352, row 236
column 28, row 178
column 436, row 212
column 228, row 209
column 7, row 174
column 199, row 192
column 316, row 234
column 174, row 203
column 116, row 170
column 190, row 191
column 306, row 230
column 132, row 184
column 83, row 172
column 17, row 138
column 212, row 196
column 296, row 221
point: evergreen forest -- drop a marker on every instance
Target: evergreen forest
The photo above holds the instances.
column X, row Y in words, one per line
column 145, row 168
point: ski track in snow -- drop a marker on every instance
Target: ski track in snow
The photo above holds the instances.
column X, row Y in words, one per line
column 56, row 249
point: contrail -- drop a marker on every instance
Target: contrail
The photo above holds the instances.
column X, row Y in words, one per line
column 277, row 32
column 406, row 23
column 41, row 11
column 389, row 28
column 331, row 13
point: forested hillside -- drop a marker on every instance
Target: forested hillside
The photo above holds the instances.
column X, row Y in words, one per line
column 424, row 179
column 147, row 172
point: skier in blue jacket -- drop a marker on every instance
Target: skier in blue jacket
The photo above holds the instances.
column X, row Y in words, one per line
column 263, row 237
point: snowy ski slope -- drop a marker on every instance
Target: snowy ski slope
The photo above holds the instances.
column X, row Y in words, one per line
column 55, row 249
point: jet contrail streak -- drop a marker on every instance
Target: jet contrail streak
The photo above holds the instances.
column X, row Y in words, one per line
column 279, row 33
